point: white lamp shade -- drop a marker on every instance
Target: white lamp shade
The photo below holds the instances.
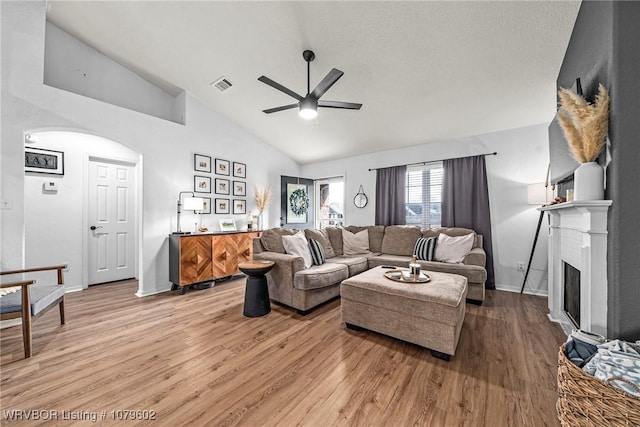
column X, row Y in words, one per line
column 538, row 194
column 193, row 203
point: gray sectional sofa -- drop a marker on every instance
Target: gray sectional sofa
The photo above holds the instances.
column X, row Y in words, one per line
column 292, row 284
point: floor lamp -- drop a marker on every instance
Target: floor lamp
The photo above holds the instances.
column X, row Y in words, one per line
column 537, row 194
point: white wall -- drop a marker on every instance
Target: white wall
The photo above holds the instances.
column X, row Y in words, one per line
column 71, row 65
column 166, row 148
column 522, row 159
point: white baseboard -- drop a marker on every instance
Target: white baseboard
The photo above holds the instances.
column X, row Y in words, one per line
column 516, row 289
column 152, row 292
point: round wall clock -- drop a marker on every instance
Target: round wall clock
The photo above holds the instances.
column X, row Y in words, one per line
column 360, row 200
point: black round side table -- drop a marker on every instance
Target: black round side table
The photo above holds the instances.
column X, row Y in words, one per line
column 256, row 294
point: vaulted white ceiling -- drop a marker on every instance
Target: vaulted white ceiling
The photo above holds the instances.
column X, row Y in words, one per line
column 424, row 71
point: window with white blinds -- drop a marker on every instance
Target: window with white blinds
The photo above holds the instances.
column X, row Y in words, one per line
column 424, row 194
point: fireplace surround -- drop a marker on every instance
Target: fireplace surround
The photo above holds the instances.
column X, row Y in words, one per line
column 578, row 237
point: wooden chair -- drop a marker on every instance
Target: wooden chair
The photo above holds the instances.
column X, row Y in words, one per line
column 30, row 302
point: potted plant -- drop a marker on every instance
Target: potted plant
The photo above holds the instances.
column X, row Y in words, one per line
column 585, row 126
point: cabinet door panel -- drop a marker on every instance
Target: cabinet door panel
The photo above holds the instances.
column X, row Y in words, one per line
column 219, row 252
column 195, row 259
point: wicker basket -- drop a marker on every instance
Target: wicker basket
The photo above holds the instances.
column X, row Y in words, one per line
column 584, row 400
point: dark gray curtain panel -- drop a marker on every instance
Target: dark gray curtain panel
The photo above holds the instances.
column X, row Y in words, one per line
column 390, row 196
column 465, row 202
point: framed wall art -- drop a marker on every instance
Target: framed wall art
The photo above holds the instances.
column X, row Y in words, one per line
column 222, row 167
column 201, row 163
column 239, row 170
column 239, row 207
column 201, row 184
column 39, row 160
column 239, row 188
column 207, row 205
column 222, row 186
column 222, row 206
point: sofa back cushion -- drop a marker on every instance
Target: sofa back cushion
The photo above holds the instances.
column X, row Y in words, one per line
column 335, row 237
column 453, row 249
column 376, row 234
column 323, row 237
column 453, row 232
column 272, row 239
column 355, row 244
column 297, row 245
column 400, row 239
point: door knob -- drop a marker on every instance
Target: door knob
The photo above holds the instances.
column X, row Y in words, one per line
column 93, row 227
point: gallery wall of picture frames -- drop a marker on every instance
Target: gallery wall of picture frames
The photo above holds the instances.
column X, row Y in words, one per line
column 227, row 184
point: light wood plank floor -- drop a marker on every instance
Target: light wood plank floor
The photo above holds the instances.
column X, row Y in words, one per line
column 195, row 360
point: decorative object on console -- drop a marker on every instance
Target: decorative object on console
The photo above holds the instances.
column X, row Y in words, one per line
column 360, row 200
column 202, row 184
column 585, row 127
column 239, row 170
column 201, row 163
column 190, row 204
column 222, row 167
column 39, row 160
column 228, row 225
column 262, row 199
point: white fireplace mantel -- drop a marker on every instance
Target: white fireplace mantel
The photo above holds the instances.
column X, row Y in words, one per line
column 578, row 236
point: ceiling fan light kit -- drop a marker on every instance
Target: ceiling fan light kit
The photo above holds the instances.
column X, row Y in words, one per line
column 309, row 104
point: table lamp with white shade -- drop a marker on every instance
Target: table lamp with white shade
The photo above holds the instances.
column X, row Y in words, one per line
column 189, row 204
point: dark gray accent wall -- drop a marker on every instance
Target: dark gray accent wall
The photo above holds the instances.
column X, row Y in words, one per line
column 605, row 48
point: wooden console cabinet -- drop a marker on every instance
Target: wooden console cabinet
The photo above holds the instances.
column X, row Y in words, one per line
column 201, row 258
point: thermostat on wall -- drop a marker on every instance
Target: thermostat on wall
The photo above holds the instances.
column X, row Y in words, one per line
column 50, row 187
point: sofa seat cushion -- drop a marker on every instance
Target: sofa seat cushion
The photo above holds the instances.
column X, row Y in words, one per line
column 356, row 264
column 473, row 273
column 320, row 276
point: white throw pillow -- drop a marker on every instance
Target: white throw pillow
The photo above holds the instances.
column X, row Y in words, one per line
column 453, row 249
column 354, row 244
column 297, row 245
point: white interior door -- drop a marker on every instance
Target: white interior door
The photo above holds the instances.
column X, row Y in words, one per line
column 111, row 216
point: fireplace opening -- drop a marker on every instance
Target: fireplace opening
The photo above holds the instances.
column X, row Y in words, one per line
column 572, row 293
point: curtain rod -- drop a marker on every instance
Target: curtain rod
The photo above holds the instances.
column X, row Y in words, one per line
column 495, row 153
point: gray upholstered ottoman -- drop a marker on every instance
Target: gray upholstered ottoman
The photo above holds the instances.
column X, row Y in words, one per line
column 428, row 314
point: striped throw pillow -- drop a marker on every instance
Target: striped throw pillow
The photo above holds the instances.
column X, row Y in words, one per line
column 425, row 248
column 317, row 252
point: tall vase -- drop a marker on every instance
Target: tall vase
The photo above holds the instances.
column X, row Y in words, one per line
column 588, row 182
column 260, row 221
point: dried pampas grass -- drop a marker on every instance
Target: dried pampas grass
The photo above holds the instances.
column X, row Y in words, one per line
column 584, row 125
column 262, row 197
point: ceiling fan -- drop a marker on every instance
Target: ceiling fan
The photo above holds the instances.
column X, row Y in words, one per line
column 309, row 104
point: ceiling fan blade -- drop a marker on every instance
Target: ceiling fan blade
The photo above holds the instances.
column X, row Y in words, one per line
column 326, row 83
column 276, row 109
column 339, row 104
column 267, row 80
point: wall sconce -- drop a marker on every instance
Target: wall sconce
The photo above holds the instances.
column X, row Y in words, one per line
column 190, row 204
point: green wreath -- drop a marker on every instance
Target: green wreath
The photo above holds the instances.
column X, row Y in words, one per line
column 299, row 202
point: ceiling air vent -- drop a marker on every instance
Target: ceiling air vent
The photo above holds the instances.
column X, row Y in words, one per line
column 222, row 84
